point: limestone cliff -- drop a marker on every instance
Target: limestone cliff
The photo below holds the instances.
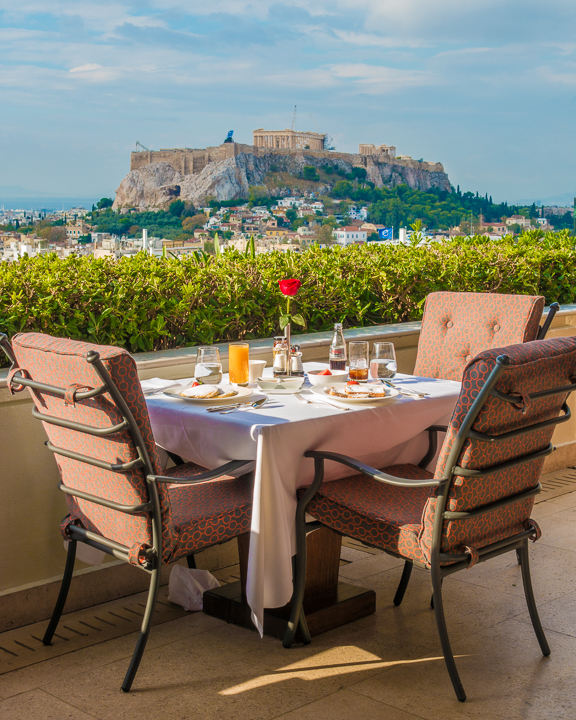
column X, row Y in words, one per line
column 157, row 184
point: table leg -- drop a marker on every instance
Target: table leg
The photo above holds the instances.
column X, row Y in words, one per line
column 327, row 603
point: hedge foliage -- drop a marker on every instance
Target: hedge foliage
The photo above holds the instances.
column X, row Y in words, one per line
column 145, row 303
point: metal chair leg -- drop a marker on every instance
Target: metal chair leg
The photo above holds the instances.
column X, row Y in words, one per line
column 144, row 631
column 443, row 632
column 297, row 618
column 530, row 601
column 63, row 594
column 191, row 560
column 406, row 572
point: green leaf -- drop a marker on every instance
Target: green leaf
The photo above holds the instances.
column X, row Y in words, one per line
column 284, row 320
column 298, row 319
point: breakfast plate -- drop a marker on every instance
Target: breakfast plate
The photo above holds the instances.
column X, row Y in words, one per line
column 229, row 395
column 387, row 395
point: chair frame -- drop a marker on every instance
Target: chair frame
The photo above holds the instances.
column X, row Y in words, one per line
column 458, row 561
column 552, row 310
column 152, row 558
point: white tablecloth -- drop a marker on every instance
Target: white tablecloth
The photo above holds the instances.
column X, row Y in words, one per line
column 276, row 436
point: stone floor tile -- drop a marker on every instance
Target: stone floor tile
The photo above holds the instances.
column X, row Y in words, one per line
column 468, row 608
column 503, row 673
column 121, row 648
column 345, row 705
column 369, row 566
column 558, row 615
column 559, row 529
column 41, row 705
column 553, row 573
column 231, row 672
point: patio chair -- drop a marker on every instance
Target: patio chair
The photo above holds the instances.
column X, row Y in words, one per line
column 458, row 325
column 477, row 504
column 91, row 404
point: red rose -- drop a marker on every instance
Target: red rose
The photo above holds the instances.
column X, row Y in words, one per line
column 289, row 287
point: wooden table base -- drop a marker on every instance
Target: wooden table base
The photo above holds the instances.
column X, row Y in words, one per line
column 327, row 603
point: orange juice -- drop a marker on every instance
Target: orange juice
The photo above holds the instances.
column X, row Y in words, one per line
column 238, row 363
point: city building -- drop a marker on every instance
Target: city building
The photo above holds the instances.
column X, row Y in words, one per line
column 350, row 235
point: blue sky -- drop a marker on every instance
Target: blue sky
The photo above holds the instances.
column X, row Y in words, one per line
column 485, row 87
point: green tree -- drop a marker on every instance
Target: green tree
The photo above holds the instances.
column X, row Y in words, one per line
column 104, row 203
column 177, row 207
column 342, row 189
column 310, row 173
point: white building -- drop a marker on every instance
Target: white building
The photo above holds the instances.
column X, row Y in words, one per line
column 350, row 235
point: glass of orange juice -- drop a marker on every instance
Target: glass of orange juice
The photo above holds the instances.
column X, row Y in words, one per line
column 238, row 363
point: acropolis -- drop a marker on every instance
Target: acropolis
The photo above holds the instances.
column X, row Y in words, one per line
column 289, row 139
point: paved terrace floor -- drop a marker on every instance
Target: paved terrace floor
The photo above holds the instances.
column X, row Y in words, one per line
column 385, row 666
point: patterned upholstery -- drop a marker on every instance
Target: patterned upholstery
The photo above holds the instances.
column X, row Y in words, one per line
column 400, row 520
column 372, row 512
column 458, row 326
column 210, row 512
column 61, row 362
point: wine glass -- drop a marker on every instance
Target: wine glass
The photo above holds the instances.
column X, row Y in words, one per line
column 358, row 350
column 383, row 361
column 208, row 368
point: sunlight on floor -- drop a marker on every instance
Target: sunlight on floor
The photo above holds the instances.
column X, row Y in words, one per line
column 341, row 660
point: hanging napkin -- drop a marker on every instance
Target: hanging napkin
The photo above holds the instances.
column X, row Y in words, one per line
column 154, row 385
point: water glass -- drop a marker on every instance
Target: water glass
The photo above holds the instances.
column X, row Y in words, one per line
column 383, row 361
column 358, row 358
column 208, row 368
column 238, row 363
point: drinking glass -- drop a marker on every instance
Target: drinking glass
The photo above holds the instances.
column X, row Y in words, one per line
column 238, row 363
column 208, row 366
column 383, row 361
column 358, row 354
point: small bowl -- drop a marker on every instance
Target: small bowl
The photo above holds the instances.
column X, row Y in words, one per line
column 338, row 377
column 291, row 384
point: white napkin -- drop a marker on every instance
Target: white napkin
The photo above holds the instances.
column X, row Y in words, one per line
column 154, row 385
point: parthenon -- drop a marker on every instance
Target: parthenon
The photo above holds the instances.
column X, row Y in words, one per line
column 289, row 139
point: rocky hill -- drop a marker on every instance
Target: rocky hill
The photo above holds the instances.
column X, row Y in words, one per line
column 159, row 183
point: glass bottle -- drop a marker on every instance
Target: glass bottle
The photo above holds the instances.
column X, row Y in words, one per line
column 338, row 349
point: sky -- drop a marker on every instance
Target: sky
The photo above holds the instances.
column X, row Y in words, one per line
column 486, row 87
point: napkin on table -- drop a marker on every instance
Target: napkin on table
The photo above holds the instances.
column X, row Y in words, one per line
column 154, row 385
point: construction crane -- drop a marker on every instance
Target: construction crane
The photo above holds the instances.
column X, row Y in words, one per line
column 294, row 119
column 139, row 145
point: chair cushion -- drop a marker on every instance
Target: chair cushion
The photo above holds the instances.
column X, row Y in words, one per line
column 209, row 512
column 534, row 366
column 457, row 326
column 62, row 362
column 386, row 516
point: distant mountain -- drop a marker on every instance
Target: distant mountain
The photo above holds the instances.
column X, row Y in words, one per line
column 562, row 200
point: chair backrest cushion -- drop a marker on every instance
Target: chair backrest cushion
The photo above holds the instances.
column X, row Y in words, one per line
column 534, row 366
column 62, row 362
column 457, row 326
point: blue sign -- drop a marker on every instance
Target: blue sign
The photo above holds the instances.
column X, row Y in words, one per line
column 385, row 233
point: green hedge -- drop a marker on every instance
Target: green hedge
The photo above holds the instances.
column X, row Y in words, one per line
column 145, row 303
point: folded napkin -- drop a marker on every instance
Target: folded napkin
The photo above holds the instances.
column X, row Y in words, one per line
column 154, row 385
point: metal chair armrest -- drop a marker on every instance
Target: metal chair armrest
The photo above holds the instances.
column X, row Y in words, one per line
column 433, row 431
column 370, row 471
column 232, row 467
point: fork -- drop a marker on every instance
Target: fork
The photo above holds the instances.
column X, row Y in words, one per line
column 321, row 402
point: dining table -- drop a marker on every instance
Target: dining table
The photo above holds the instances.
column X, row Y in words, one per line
column 275, row 437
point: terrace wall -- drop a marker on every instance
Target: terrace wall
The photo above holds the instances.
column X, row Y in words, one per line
column 33, row 556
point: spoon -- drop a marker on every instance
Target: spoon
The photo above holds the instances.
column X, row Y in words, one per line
column 256, row 404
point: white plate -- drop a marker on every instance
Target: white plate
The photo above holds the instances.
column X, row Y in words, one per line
column 242, row 394
column 391, row 393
